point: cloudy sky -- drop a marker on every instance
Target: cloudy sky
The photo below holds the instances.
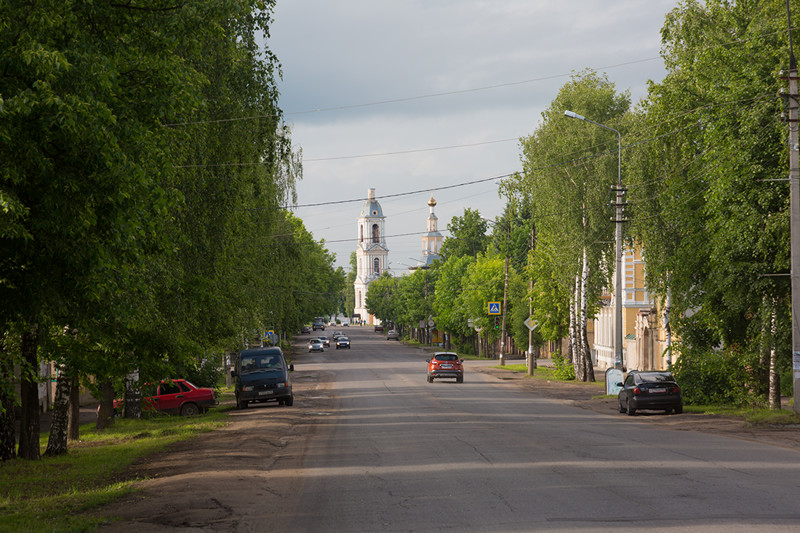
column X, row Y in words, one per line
column 428, row 96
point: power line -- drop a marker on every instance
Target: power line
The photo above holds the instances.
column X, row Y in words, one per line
column 418, row 150
column 419, row 191
column 461, row 91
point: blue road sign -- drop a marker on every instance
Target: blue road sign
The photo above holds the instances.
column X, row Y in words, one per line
column 494, row 308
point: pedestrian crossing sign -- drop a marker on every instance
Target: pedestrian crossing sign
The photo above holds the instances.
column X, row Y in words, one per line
column 494, row 308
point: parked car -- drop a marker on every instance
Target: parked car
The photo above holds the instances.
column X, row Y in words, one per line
column 305, row 331
column 315, row 345
column 392, row 335
column 342, row 342
column 651, row 390
column 379, row 329
column 262, row 375
column 325, row 340
column 174, row 396
column 445, row 365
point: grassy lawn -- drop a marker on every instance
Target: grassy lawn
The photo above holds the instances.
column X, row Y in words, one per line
column 53, row 494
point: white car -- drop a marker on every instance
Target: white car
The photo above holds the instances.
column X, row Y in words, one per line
column 315, row 345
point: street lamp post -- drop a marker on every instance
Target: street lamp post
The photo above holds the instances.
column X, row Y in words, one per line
column 618, row 362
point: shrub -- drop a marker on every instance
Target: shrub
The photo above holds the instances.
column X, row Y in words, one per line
column 713, row 377
column 563, row 368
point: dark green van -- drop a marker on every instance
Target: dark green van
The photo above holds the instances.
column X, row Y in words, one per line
column 262, row 375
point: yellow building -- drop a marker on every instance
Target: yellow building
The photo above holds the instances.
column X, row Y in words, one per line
column 644, row 339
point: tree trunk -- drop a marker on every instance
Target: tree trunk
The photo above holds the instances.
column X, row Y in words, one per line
column 29, row 395
column 571, row 335
column 587, row 373
column 774, row 377
column 73, row 429
column 8, row 437
column 667, row 328
column 577, row 357
column 105, row 415
column 57, row 442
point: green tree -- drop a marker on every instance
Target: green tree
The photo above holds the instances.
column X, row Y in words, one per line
column 467, row 235
column 569, row 168
column 711, row 212
column 451, row 315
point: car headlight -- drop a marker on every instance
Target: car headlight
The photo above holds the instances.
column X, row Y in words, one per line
column 247, row 388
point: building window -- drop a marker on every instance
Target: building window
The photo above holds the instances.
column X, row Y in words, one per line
column 376, row 237
column 360, row 233
column 376, row 266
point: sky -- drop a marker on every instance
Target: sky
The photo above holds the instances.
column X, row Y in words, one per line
column 431, row 97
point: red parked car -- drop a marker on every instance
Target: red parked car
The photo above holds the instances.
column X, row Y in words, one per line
column 176, row 396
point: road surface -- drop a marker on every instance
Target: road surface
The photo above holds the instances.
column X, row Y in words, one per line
column 371, row 446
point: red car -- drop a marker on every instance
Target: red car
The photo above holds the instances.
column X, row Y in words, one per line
column 176, row 396
column 445, row 365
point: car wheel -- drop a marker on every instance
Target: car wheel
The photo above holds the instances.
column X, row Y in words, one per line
column 678, row 410
column 460, row 379
column 631, row 410
column 189, row 409
column 289, row 401
column 621, row 407
column 430, row 379
column 240, row 404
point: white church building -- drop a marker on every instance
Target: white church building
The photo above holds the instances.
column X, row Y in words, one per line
column 371, row 253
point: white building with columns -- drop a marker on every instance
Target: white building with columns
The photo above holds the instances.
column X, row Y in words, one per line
column 371, row 253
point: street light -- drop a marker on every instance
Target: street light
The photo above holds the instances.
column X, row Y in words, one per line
column 618, row 220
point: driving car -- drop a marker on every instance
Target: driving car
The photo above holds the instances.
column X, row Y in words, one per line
column 174, row 396
column 305, row 331
column 337, row 334
column 650, row 390
column 315, row 345
column 325, row 341
column 378, row 329
column 445, row 365
column 342, row 342
column 392, row 335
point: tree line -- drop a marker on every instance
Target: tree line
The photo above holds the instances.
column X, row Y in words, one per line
column 144, row 166
column 704, row 167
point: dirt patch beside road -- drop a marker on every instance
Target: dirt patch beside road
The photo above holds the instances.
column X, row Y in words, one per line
column 262, row 448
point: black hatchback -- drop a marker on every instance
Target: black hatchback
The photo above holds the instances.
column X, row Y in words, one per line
column 651, row 390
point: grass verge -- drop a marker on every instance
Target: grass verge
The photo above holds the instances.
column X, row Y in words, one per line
column 55, row 493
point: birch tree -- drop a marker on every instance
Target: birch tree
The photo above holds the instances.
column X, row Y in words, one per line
column 570, row 166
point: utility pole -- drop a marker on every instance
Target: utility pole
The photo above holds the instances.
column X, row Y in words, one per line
column 505, row 299
column 794, row 208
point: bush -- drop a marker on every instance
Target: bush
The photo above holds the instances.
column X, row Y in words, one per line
column 714, row 378
column 564, row 370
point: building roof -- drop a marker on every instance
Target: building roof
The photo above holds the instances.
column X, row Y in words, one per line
column 371, row 207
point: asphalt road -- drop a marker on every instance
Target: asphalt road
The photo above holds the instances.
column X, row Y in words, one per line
column 370, row 446
column 400, row 454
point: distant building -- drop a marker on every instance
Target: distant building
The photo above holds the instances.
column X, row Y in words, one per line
column 371, row 253
column 431, row 241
